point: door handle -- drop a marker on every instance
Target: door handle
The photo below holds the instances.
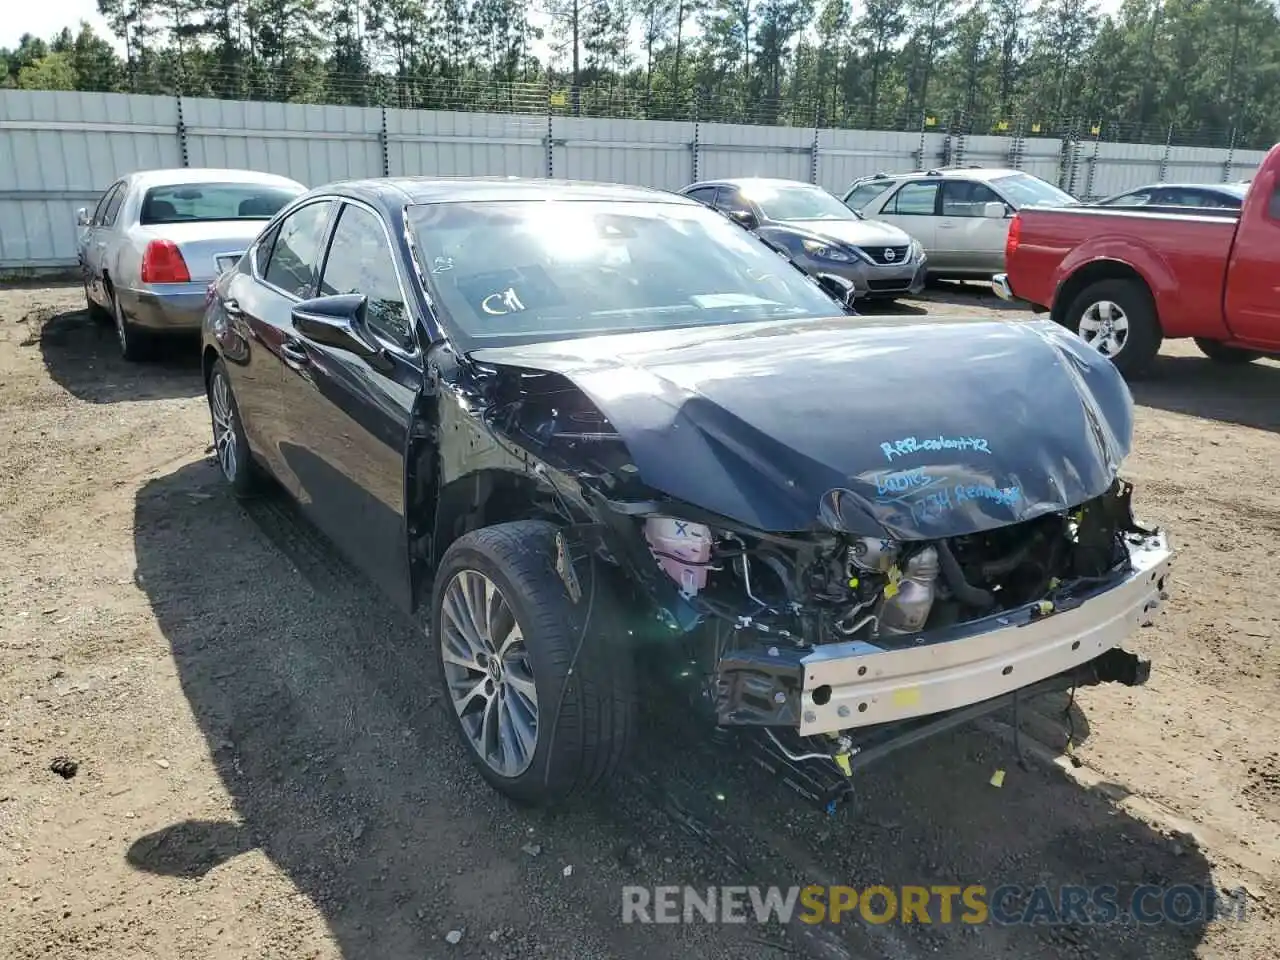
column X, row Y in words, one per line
column 294, row 351
column 231, row 308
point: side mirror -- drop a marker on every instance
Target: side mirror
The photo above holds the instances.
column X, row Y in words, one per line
column 336, row 321
column 840, row 289
column 745, row 219
column 82, row 217
column 994, row 210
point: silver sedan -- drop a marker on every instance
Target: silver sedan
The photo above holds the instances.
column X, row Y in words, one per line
column 157, row 238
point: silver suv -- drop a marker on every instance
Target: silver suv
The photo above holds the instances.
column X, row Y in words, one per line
column 960, row 215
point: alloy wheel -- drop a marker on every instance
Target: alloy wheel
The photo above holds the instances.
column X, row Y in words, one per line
column 1105, row 327
column 488, row 673
column 224, row 425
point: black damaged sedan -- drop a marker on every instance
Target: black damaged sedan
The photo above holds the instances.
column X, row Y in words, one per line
column 600, row 440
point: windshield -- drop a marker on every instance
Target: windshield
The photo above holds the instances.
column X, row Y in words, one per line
column 524, row 271
column 196, row 202
column 1025, row 191
column 784, row 201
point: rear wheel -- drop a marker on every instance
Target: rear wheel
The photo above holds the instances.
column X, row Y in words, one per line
column 95, row 311
column 229, row 443
column 538, row 687
column 135, row 344
column 1221, row 353
column 1118, row 319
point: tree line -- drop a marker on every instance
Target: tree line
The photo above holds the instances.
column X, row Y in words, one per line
column 1204, row 71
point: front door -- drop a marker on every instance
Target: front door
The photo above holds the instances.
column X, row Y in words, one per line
column 349, row 418
column 966, row 240
column 1252, row 303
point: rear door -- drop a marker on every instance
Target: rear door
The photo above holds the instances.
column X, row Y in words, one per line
column 1252, row 303
column 259, row 301
column 99, row 238
column 348, row 418
column 90, row 265
column 913, row 207
column 966, row 240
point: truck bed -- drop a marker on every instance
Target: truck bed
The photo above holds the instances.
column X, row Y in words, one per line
column 1187, row 254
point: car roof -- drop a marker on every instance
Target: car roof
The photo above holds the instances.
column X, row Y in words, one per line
column 180, row 175
column 471, row 189
column 752, row 182
column 945, row 173
column 1235, row 189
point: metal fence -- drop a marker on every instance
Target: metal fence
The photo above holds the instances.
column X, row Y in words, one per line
column 60, row 150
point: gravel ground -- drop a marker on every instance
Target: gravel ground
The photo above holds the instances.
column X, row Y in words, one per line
column 261, row 770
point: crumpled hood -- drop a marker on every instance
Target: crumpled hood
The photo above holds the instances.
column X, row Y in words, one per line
column 853, row 233
column 878, row 426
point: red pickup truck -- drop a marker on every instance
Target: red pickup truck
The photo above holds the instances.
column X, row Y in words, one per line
column 1126, row 279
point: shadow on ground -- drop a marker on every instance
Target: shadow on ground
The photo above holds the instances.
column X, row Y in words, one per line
column 965, row 293
column 319, row 707
column 1246, row 394
column 83, row 357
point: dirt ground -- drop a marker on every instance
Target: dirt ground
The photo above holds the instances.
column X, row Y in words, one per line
column 263, row 771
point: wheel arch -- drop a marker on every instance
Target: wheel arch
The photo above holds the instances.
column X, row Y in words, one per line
column 436, row 517
column 1089, row 274
column 208, row 357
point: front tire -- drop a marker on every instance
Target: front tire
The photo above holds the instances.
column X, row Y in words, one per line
column 229, row 442
column 539, row 688
column 1118, row 319
column 1221, row 353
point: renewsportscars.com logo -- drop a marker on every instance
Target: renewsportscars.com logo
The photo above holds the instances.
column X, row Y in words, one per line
column 973, row 904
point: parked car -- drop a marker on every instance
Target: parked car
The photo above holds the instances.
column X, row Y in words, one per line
column 959, row 214
column 158, row 237
column 1228, row 196
column 1126, row 279
column 820, row 234
column 605, row 444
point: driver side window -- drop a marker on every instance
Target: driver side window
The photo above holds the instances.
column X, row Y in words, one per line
column 966, row 198
column 361, row 261
column 731, row 202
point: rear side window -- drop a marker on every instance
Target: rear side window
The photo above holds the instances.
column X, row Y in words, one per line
column 360, row 260
column 262, row 252
column 864, row 193
column 917, row 198
column 113, row 206
column 100, row 210
column 1273, row 210
column 295, row 258
column 705, row 195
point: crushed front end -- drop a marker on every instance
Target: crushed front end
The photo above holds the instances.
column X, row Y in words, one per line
column 830, row 593
column 834, row 644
